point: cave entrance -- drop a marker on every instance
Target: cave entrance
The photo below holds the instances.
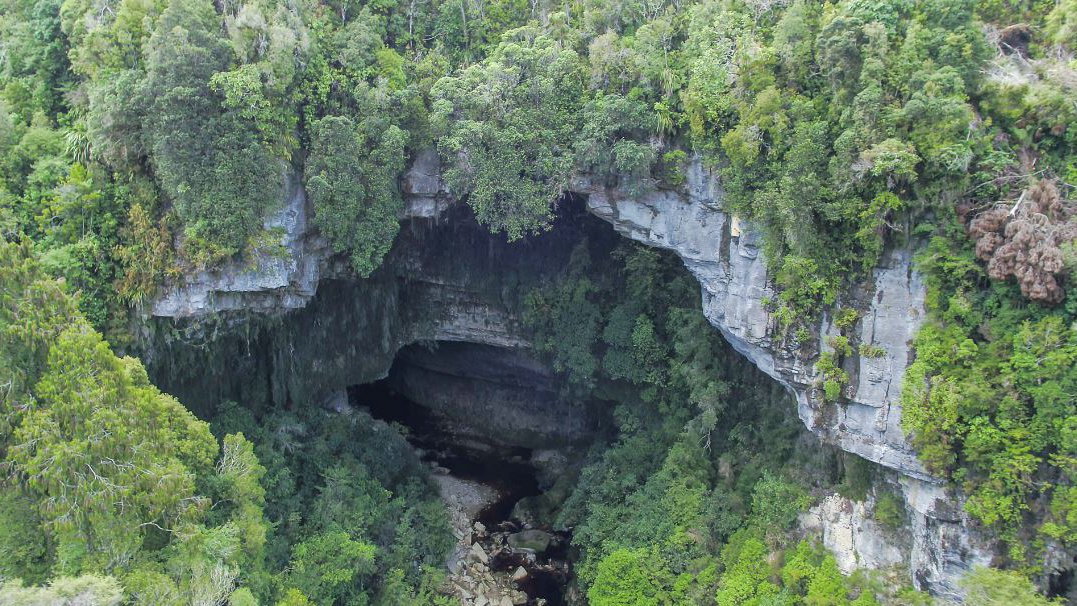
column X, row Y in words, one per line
column 506, row 470
column 498, row 434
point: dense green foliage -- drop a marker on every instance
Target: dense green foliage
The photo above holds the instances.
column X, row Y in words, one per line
column 836, row 126
column 992, row 395
column 158, row 502
column 108, row 476
column 510, row 123
column 356, row 202
column 141, row 138
column 696, row 498
column 990, row 399
column 992, row 587
column 353, row 519
column 220, row 184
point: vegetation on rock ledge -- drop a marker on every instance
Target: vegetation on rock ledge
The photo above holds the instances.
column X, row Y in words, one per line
column 143, row 138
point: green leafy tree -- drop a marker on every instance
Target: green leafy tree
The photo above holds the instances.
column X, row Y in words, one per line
column 332, row 567
column 352, row 177
column 747, row 578
column 508, row 127
column 116, row 476
column 776, row 502
column 626, row 577
column 827, row 586
column 104, row 494
column 209, row 161
column 992, row 587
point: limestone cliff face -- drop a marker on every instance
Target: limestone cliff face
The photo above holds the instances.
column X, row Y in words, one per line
column 725, row 257
column 277, row 281
column 445, row 282
column 724, row 254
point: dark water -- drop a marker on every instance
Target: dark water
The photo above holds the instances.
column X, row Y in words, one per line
column 504, row 469
column 548, row 574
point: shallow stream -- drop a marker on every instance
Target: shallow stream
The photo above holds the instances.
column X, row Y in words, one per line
column 506, row 471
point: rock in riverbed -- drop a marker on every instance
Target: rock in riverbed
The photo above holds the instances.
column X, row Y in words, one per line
column 534, row 540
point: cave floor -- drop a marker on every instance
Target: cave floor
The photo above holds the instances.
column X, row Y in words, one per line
column 498, row 559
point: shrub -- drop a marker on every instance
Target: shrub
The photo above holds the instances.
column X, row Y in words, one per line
column 890, row 511
column 846, row 318
column 872, row 351
column 1025, row 241
column 992, row 587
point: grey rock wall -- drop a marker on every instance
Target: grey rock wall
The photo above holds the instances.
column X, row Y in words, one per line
column 724, row 255
column 492, row 394
column 849, row 530
column 270, row 282
column 286, row 278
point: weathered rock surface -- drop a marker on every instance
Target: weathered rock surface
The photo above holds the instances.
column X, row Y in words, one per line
column 849, row 530
column 271, row 282
column 721, row 252
column 491, row 394
column 533, row 539
column 286, row 278
column 479, row 574
column 464, row 500
column 724, row 254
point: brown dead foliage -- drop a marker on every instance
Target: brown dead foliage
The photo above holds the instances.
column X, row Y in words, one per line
column 1025, row 240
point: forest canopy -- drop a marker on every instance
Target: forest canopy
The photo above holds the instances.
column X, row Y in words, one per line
column 141, row 140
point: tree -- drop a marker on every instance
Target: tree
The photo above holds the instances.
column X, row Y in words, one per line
column 87, row 590
column 209, row 161
column 746, row 580
column 626, row 578
column 993, row 587
column 352, row 177
column 111, row 475
column 33, row 313
column 1025, row 240
column 106, row 480
column 331, row 566
column 608, row 146
column 508, row 126
column 776, row 503
column 827, row 586
column 293, row 597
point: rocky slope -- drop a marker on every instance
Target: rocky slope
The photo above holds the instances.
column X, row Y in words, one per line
column 723, row 254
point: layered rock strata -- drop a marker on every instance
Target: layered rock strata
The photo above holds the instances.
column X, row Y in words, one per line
column 724, row 255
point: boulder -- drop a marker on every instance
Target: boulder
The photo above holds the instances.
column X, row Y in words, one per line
column 478, row 554
column 534, row 540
